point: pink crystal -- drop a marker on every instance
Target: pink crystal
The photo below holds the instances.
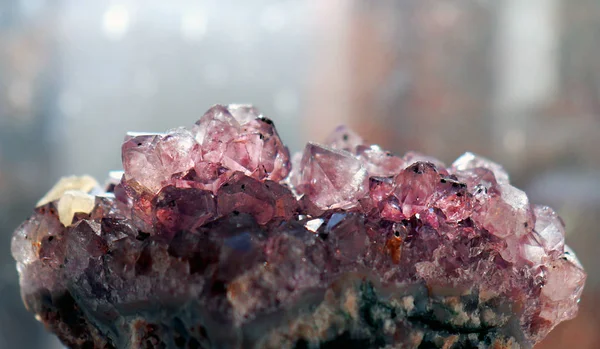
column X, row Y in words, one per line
column 452, row 198
column 214, row 131
column 264, row 200
column 415, row 187
column 241, row 139
column 561, row 292
column 549, row 230
column 331, row 178
column 151, row 160
column 506, row 214
column 469, row 161
column 141, row 161
column 380, row 188
column 413, row 157
column 379, row 162
column 212, row 238
column 206, row 175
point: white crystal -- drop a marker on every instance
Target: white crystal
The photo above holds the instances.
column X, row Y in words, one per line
column 71, row 202
column 84, row 184
column 314, row 224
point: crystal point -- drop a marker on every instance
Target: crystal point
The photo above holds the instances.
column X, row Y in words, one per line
column 549, row 230
column 415, row 187
column 241, row 139
column 470, row 161
column 332, row 178
column 379, row 162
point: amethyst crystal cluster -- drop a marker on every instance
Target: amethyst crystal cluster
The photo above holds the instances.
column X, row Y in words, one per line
column 213, row 237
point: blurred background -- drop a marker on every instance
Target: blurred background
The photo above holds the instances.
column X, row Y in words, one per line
column 517, row 81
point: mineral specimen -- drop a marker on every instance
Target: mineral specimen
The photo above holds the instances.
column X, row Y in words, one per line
column 211, row 239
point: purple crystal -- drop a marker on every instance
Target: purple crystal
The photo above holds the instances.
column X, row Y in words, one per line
column 211, row 239
column 470, row 161
column 178, row 209
column 239, row 138
column 331, row 178
column 415, row 187
column 151, row 160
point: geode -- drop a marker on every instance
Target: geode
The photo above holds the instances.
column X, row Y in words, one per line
column 213, row 237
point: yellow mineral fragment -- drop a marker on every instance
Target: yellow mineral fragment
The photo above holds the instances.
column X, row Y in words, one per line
column 83, row 183
column 71, row 202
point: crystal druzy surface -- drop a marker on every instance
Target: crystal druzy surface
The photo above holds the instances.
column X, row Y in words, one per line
column 214, row 237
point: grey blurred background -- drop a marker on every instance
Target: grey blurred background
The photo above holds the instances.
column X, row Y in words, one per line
column 514, row 80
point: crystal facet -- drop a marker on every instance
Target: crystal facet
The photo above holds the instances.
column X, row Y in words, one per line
column 331, row 178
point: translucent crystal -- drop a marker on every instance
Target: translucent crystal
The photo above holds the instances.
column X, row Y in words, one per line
column 413, row 157
column 379, row 162
column 561, row 292
column 152, row 159
column 211, row 238
column 453, row 200
column 549, row 230
column 214, row 131
column 27, row 239
column 331, row 178
column 470, row 161
column 241, row 139
column 506, row 214
column 415, row 187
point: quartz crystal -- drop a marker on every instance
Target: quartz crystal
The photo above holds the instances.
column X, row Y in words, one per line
column 210, row 238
